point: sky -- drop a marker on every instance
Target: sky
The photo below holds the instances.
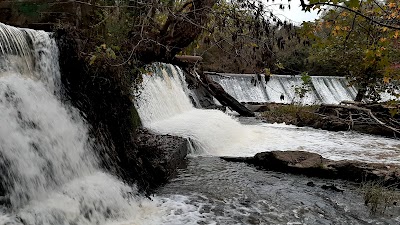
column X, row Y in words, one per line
column 295, row 13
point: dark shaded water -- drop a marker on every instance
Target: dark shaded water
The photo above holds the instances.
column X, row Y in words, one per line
column 220, row 192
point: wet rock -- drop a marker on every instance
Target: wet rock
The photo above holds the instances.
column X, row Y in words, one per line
column 310, row 184
column 290, row 161
column 237, row 159
column 312, row 164
column 331, row 187
column 5, row 201
column 161, row 155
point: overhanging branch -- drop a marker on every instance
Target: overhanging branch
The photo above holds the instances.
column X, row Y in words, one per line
column 304, row 5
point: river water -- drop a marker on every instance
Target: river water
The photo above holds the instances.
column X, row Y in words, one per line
column 51, row 176
column 212, row 191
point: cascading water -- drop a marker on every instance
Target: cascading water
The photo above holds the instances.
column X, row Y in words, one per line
column 248, row 88
column 212, row 191
column 49, row 172
column 164, row 106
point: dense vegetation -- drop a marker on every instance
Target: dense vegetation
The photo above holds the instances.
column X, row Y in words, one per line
column 358, row 44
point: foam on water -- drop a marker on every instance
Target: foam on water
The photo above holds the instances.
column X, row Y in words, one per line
column 164, row 106
column 332, row 145
column 50, row 173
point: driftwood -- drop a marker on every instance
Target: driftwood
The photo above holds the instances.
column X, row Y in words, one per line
column 356, row 113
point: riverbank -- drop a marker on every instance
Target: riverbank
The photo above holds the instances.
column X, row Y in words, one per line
column 376, row 119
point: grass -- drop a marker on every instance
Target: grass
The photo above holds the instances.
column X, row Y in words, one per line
column 378, row 197
column 291, row 113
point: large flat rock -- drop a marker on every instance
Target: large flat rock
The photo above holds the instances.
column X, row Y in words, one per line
column 312, row 164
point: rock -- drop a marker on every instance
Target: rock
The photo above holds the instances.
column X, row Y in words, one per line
column 312, row 164
column 310, row 184
column 161, row 155
column 5, row 201
column 331, row 187
column 236, row 159
column 290, row 161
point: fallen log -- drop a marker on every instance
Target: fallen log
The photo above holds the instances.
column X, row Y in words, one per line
column 226, row 99
column 367, row 111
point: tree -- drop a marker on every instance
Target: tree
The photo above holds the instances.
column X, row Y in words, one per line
column 361, row 47
column 384, row 13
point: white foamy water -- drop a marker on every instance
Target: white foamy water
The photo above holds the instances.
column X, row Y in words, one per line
column 330, row 90
column 48, row 164
column 218, row 134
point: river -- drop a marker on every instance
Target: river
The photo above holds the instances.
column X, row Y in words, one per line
column 52, row 176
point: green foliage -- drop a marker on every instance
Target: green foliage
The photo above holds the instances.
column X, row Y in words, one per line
column 305, row 87
column 292, row 113
column 365, row 52
column 31, row 9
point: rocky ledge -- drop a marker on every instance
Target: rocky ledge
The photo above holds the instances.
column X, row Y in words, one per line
column 312, row 164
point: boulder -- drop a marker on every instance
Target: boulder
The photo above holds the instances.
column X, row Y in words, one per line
column 161, row 155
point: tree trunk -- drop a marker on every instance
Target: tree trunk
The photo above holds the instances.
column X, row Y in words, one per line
column 183, row 27
column 360, row 94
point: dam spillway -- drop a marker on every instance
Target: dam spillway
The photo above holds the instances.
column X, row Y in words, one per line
column 250, row 88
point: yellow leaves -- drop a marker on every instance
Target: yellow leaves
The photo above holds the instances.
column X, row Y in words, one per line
column 336, row 30
column 384, row 29
column 92, row 59
column 392, row 5
column 279, row 65
column 396, row 35
column 253, row 45
column 386, row 80
column 383, row 39
column 393, row 15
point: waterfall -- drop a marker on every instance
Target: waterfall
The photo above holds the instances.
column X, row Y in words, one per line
column 164, row 106
column 331, row 90
column 49, row 171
